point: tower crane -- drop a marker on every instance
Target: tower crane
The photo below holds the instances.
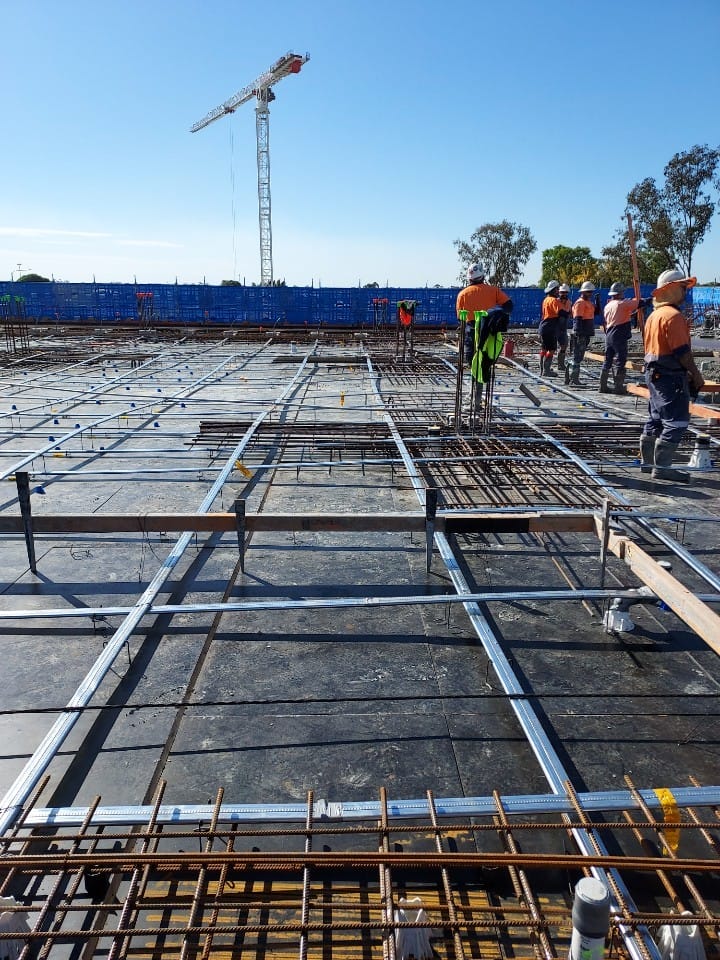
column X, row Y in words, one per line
column 261, row 89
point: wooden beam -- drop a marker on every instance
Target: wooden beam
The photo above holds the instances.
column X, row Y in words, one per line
column 630, row 364
column 683, row 602
column 711, row 386
column 525, row 521
column 697, row 409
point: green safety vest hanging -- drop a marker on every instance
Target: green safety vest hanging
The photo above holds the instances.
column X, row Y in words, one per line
column 490, row 350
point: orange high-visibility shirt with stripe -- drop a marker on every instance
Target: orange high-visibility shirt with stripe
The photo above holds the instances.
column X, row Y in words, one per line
column 584, row 309
column 480, row 296
column 666, row 334
column 617, row 312
column 551, row 307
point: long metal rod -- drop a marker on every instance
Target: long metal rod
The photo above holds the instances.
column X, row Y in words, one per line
column 336, row 603
column 682, row 553
column 11, row 803
column 595, row 801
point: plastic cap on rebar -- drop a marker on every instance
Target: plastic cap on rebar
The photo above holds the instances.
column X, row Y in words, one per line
column 591, row 908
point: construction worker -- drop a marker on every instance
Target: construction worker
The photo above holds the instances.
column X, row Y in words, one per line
column 550, row 316
column 562, row 331
column 584, row 311
column 617, row 325
column 476, row 296
column 671, row 376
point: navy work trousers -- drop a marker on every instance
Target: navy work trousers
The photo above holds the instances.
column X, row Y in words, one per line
column 616, row 346
column 562, row 333
column 581, row 341
column 669, row 404
column 548, row 334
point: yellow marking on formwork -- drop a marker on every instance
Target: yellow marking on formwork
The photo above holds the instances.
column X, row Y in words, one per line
column 243, row 469
column 671, row 814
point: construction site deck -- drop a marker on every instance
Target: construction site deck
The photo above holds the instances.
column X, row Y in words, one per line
column 301, row 657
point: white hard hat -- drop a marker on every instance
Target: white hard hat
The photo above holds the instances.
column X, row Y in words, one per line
column 564, row 288
column 616, row 289
column 587, row 287
column 476, row 271
column 552, row 285
column 673, row 276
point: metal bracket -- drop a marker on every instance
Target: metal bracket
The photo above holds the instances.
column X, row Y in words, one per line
column 240, row 524
column 431, row 500
column 604, row 541
column 23, row 489
column 327, row 810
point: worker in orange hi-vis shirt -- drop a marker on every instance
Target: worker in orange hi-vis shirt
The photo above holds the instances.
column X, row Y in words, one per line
column 584, row 311
column 671, row 376
column 616, row 323
column 562, row 325
column 553, row 312
column 479, row 295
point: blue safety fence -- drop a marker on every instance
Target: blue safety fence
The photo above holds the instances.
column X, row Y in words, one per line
column 268, row 307
column 705, row 298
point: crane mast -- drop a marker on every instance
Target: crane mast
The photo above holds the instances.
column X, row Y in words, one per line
column 261, row 89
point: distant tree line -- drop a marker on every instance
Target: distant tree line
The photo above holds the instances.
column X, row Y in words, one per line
column 670, row 220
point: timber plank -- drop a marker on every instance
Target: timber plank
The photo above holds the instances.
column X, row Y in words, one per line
column 459, row 521
column 683, row 602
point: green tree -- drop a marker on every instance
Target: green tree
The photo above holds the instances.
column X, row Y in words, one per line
column 32, row 278
column 671, row 220
column 230, row 283
column 615, row 263
column 371, row 286
column 569, row 265
column 502, row 248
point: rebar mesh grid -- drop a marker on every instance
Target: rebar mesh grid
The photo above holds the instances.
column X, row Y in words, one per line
column 488, row 887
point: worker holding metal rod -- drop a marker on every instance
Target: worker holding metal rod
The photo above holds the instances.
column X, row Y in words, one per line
column 617, row 324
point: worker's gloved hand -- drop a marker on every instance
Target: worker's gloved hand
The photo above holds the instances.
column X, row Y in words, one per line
column 697, row 382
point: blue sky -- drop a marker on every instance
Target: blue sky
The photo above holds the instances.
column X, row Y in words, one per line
column 412, row 124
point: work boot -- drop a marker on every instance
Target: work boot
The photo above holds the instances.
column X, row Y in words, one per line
column 547, row 366
column 567, row 375
column 663, row 458
column 647, row 452
column 620, row 387
column 542, row 364
column 561, row 359
column 575, row 378
column 603, row 388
